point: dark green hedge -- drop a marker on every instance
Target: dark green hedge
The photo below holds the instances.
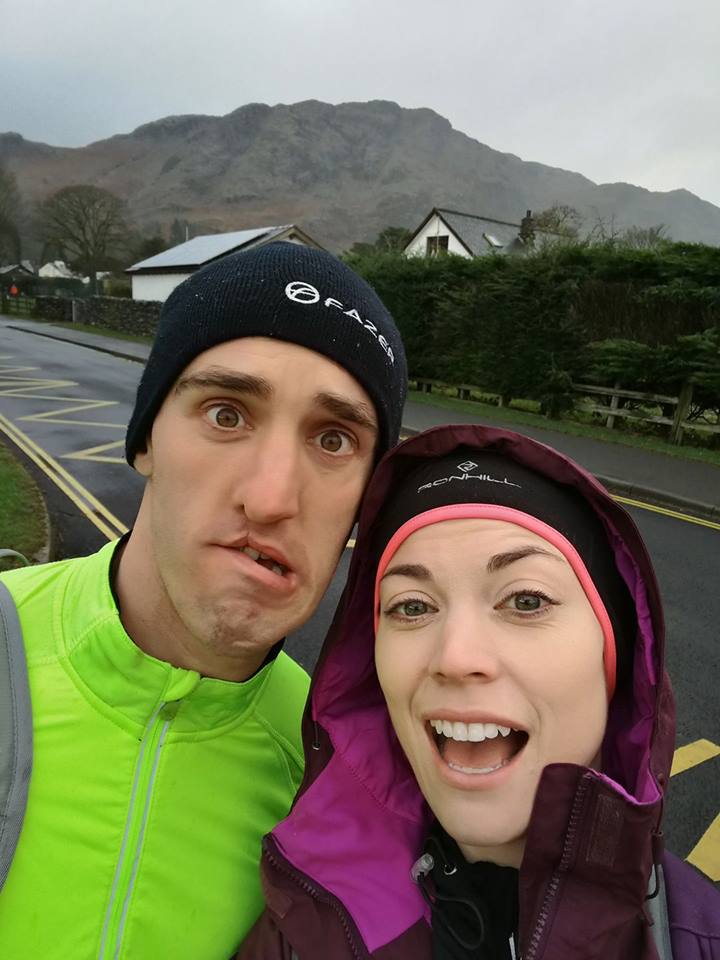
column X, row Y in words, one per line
column 527, row 326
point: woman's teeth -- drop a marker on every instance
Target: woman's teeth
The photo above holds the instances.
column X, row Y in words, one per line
column 474, row 732
column 476, row 770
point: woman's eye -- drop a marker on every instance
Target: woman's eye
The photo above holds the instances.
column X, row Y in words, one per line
column 224, row 416
column 335, row 441
column 526, row 602
column 410, row 609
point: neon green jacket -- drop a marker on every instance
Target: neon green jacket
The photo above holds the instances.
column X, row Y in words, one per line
column 151, row 786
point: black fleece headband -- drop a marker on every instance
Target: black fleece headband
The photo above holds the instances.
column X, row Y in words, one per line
column 480, row 477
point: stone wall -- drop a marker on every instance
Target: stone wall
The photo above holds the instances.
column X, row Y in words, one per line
column 138, row 317
column 58, row 309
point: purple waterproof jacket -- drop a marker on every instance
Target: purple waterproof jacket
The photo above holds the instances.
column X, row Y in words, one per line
column 336, row 871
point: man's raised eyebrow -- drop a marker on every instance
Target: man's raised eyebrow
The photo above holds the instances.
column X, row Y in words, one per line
column 354, row 411
column 222, row 379
column 414, row 570
column 502, row 560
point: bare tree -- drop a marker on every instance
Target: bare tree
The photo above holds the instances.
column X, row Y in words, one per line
column 646, row 238
column 605, row 230
column 560, row 219
column 86, row 225
column 10, row 216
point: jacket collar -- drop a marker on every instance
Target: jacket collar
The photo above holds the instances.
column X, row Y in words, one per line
column 122, row 681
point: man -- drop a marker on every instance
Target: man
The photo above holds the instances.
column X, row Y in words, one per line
column 166, row 719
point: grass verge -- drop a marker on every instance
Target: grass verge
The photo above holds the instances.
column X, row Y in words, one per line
column 519, row 418
column 22, row 511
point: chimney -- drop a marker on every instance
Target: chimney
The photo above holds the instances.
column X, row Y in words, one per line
column 527, row 228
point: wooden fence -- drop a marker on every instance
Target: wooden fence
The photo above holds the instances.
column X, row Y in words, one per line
column 608, row 402
column 18, row 306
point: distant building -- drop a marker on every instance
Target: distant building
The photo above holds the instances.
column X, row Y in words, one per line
column 23, row 268
column 469, row 235
column 59, row 270
column 156, row 277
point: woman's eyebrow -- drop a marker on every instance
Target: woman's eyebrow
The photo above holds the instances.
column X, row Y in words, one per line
column 501, row 560
column 415, row 570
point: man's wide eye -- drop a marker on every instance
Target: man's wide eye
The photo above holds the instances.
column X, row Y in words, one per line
column 335, row 441
column 221, row 415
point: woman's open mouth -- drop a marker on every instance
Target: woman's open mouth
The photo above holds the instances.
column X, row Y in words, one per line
column 476, row 749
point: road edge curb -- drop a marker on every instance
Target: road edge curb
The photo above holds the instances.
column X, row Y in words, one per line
column 78, row 343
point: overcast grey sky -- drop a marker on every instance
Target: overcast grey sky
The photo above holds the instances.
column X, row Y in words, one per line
column 616, row 90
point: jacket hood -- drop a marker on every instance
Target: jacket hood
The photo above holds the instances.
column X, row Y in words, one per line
column 359, row 821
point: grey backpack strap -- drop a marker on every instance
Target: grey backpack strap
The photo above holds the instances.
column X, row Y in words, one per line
column 15, row 555
column 657, row 912
column 15, row 731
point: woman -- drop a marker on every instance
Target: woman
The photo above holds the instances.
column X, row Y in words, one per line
column 490, row 729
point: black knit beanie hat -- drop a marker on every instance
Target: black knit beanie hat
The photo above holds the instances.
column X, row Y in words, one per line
column 484, row 477
column 284, row 290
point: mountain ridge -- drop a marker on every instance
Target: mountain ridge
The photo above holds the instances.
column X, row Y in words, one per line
column 343, row 172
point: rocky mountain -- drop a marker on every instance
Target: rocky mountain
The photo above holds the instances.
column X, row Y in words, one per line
column 341, row 172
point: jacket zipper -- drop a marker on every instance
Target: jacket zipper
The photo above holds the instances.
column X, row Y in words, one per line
column 320, row 895
column 140, row 798
column 547, row 909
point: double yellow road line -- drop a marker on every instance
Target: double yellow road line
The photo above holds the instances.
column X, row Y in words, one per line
column 97, row 513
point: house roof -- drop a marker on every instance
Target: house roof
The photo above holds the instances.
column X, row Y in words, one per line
column 57, row 269
column 480, row 234
column 23, row 265
column 200, row 250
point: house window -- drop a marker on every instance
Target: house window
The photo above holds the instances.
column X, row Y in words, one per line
column 436, row 245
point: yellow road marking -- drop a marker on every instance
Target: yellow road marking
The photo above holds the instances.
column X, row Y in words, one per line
column 77, row 406
column 22, row 385
column 89, row 505
column 82, row 423
column 693, row 754
column 712, row 525
column 705, row 855
column 97, row 453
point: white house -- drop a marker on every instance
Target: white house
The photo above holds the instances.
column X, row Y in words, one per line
column 468, row 235
column 156, row 277
column 59, row 270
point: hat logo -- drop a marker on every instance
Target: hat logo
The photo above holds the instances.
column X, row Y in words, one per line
column 467, row 466
column 302, row 292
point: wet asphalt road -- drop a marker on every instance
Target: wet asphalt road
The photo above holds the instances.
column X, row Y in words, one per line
column 74, row 403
